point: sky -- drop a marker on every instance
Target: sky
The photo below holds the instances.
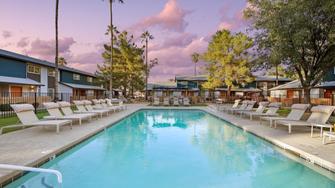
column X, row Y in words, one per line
column 179, row 27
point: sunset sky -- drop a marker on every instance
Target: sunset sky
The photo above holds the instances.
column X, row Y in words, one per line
column 180, row 27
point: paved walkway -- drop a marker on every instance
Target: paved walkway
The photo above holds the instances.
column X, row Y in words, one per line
column 34, row 146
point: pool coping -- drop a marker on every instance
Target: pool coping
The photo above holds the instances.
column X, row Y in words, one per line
column 13, row 175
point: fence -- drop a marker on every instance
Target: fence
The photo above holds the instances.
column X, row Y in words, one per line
column 36, row 99
column 315, row 100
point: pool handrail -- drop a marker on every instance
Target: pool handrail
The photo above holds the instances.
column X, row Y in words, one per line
column 32, row 169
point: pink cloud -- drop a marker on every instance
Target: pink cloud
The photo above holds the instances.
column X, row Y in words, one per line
column 171, row 18
column 180, row 40
column 45, row 49
column 23, row 42
column 235, row 21
column 86, row 61
column 6, row 34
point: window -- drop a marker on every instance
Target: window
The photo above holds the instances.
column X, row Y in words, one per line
column 51, row 72
column 76, row 77
column 34, row 69
column 89, row 79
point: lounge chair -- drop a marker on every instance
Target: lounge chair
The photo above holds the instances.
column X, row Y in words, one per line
column 186, row 101
column 260, row 109
column 66, row 109
column 330, row 135
column 26, row 115
column 320, row 115
column 122, row 105
column 156, row 101
column 175, row 101
column 166, row 101
column 272, row 111
column 104, row 104
column 297, row 111
column 110, row 104
column 235, row 105
column 243, row 106
column 99, row 106
column 249, row 108
column 85, row 107
column 56, row 114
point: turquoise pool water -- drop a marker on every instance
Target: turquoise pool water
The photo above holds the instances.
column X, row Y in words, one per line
column 172, row 149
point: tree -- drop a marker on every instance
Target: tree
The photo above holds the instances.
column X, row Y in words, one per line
column 228, row 60
column 111, row 28
column 62, row 61
column 146, row 36
column 302, row 32
column 56, row 52
column 129, row 69
column 195, row 59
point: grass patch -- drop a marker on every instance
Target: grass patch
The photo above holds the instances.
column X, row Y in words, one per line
column 14, row 120
column 284, row 112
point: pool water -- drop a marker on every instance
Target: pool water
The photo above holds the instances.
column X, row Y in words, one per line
column 172, row 149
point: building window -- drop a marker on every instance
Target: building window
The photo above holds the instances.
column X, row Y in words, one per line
column 34, row 69
column 76, row 77
column 51, row 72
column 89, row 79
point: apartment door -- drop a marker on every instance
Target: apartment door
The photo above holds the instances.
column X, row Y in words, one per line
column 16, row 91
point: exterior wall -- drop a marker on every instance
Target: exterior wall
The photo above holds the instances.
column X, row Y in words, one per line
column 65, row 89
column 67, row 77
column 12, row 68
column 44, row 79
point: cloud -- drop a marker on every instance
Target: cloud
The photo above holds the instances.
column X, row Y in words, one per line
column 45, row 49
column 86, row 61
column 231, row 20
column 171, row 18
column 6, row 34
column 179, row 40
column 176, row 60
column 23, row 42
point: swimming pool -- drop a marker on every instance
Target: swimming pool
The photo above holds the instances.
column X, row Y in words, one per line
column 176, row 148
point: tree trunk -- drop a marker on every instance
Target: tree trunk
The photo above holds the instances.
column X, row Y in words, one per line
column 228, row 93
column 56, row 55
column 112, row 44
column 277, row 79
column 195, row 69
column 146, row 69
column 307, row 95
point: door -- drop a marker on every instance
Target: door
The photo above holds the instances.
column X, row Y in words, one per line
column 16, row 91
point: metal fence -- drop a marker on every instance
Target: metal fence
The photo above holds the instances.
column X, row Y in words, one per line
column 36, row 99
column 315, row 100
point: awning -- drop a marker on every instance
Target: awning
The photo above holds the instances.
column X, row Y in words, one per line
column 81, row 86
column 21, row 81
column 255, row 90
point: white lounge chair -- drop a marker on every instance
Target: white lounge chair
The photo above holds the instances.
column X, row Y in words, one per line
column 104, row 104
column 175, row 101
column 186, row 101
column 297, row 111
column 56, row 114
column 26, row 115
column 272, row 111
column 330, row 135
column 234, row 106
column 99, row 106
column 66, row 109
column 243, row 106
column 110, row 104
column 249, row 108
column 156, row 101
column 166, row 101
column 260, row 109
column 320, row 115
column 122, row 105
column 85, row 107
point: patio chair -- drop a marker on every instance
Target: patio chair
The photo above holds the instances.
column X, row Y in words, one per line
column 234, row 106
column 250, row 107
column 260, row 109
column 175, row 101
column 26, row 115
column 166, row 101
column 156, row 101
column 330, row 135
column 272, row 111
column 83, row 106
column 320, row 115
column 110, row 104
column 99, row 106
column 243, row 106
column 297, row 111
column 66, row 109
column 186, row 101
column 56, row 114
column 122, row 105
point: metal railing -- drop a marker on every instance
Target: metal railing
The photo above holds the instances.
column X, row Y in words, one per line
column 31, row 169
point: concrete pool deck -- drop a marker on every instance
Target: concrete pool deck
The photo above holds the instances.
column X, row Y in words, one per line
column 34, row 146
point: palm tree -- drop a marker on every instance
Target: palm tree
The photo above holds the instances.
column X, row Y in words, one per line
column 56, row 57
column 62, row 61
column 112, row 42
column 146, row 36
column 195, row 59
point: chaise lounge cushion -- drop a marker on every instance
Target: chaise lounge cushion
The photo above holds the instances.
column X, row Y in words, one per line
column 51, row 105
column 64, row 104
column 22, row 107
